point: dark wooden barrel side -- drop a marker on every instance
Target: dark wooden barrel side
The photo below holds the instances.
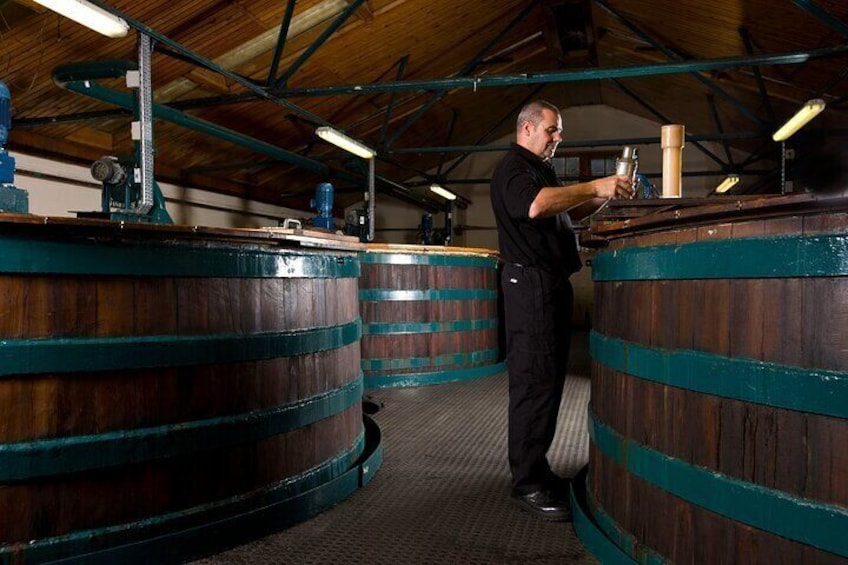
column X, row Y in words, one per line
column 720, row 378
column 428, row 317
column 163, row 397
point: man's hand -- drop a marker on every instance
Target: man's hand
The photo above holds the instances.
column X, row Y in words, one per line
column 615, row 186
column 552, row 200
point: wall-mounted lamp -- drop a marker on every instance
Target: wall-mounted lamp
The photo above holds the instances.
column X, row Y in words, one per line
column 350, row 145
column 88, row 15
column 807, row 112
column 443, row 192
column 727, row 183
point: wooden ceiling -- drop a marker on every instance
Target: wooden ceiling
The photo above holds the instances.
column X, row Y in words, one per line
column 432, row 73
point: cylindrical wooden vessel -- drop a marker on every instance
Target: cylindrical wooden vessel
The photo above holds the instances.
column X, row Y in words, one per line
column 719, row 411
column 165, row 390
column 429, row 315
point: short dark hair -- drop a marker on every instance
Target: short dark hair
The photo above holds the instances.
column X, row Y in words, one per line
column 532, row 112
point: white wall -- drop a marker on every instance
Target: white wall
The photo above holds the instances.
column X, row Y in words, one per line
column 393, row 214
column 58, row 189
column 579, row 123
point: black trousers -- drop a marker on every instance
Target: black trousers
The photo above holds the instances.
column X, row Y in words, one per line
column 537, row 311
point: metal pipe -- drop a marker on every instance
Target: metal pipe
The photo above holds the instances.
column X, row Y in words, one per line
column 583, row 143
column 533, row 94
column 672, row 56
column 145, row 118
column 371, row 204
column 235, row 77
column 758, row 76
column 281, row 43
column 783, row 167
column 489, row 81
column 318, row 42
column 664, row 119
column 466, row 70
column 390, row 106
column 454, row 116
column 80, row 78
column 448, row 222
column 720, row 128
column 823, row 15
column 658, row 174
column 71, row 118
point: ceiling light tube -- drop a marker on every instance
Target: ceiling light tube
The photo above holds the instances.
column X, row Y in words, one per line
column 443, row 192
column 727, row 183
column 339, row 139
column 88, row 15
column 807, row 112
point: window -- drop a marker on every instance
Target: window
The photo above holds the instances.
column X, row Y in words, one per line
column 580, row 167
column 601, row 166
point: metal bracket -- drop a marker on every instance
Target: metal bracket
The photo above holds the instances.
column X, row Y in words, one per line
column 288, row 222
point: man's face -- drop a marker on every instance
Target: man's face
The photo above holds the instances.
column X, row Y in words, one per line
column 542, row 139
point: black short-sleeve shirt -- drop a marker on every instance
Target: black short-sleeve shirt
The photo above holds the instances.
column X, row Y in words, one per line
column 545, row 243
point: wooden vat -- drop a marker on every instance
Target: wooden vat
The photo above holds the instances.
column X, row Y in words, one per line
column 719, row 411
column 429, row 315
column 167, row 391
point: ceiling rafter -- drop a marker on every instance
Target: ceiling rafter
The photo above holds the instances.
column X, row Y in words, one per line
column 466, row 71
column 250, row 85
column 436, row 37
column 666, row 120
column 499, row 81
column 325, row 35
column 673, row 56
column 749, row 49
column 281, row 43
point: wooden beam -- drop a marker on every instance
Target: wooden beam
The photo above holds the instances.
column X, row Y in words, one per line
column 37, row 8
column 92, row 138
column 210, row 80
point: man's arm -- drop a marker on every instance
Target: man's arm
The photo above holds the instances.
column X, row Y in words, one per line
column 551, row 200
column 586, row 209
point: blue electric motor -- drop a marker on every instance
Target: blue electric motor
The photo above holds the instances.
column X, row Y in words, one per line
column 323, row 204
column 11, row 199
column 7, row 162
column 425, row 234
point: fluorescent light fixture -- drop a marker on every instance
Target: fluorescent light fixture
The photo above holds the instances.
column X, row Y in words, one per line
column 807, row 112
column 727, row 183
column 443, row 192
column 88, row 15
column 339, row 139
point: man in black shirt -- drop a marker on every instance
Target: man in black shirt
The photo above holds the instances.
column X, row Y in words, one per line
column 539, row 250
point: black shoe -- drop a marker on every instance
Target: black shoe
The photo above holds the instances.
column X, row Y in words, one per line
column 544, row 504
column 559, row 486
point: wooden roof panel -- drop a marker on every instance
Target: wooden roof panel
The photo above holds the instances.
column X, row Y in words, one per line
column 438, row 39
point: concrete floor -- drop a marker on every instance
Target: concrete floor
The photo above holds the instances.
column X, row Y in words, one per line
column 442, row 493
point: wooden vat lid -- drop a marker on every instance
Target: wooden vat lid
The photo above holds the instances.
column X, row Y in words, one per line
column 85, row 227
column 429, row 249
column 624, row 218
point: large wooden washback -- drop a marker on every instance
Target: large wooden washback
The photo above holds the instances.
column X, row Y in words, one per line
column 719, row 411
column 167, row 390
